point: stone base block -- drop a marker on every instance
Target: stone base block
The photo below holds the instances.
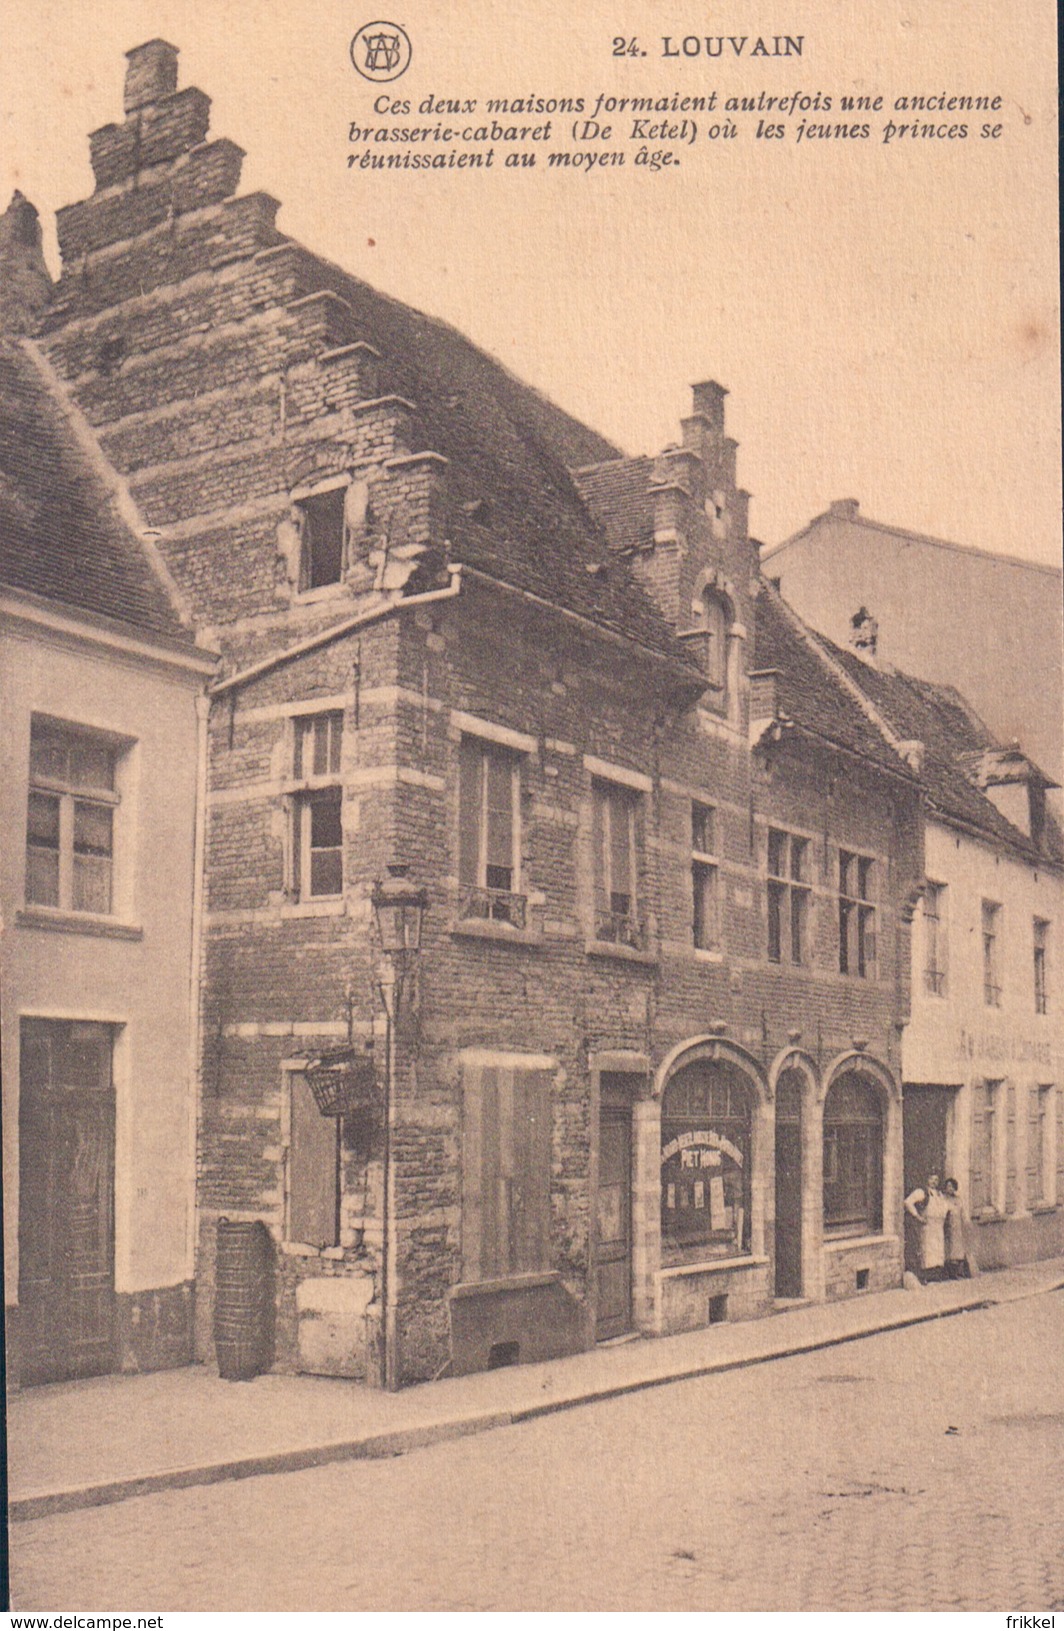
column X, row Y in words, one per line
column 514, row 1322
column 332, row 1315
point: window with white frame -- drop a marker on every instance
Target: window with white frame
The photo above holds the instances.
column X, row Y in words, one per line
column 71, row 818
column 788, row 896
column 935, row 942
column 489, row 832
column 1040, row 1163
column 985, row 1189
column 857, row 915
column 705, row 911
column 616, row 874
column 317, row 853
column 991, row 927
column 1041, row 954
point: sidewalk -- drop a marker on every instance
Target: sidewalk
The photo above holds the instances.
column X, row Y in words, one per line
column 79, row 1444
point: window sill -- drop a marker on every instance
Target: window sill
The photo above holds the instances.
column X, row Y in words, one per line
column 849, row 1243
column 510, row 1282
column 708, row 954
column 297, row 1248
column 1038, row 1209
column 988, row 1214
column 59, row 922
column 500, row 933
column 625, row 954
column 327, row 906
column 324, row 591
column 712, row 1265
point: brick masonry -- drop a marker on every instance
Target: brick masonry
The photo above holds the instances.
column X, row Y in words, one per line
column 225, row 378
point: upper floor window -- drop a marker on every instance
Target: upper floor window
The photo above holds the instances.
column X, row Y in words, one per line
column 70, row 824
column 322, row 538
column 857, row 915
column 991, row 924
column 317, row 824
column 704, row 877
column 1041, row 951
column 934, row 910
column 788, row 896
column 489, row 828
column 614, row 841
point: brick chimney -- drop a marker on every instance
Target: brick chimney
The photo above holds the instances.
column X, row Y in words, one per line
column 25, row 284
column 844, row 509
column 151, row 75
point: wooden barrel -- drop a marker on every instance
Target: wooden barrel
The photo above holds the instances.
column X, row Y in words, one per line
column 243, row 1299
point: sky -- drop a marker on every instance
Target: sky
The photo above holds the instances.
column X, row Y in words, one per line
column 885, row 316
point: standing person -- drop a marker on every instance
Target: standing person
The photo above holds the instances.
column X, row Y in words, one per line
column 958, row 1261
column 930, row 1208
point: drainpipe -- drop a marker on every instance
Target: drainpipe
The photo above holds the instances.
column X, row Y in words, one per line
column 195, row 1074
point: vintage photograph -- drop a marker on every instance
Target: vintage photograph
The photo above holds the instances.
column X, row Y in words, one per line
column 532, row 890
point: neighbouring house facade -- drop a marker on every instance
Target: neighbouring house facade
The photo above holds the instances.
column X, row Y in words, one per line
column 103, row 692
column 983, row 1053
column 648, row 1072
column 990, row 625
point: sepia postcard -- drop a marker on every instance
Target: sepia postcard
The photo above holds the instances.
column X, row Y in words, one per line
column 532, row 883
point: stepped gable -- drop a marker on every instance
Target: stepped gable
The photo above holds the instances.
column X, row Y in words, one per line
column 808, row 693
column 940, row 718
column 61, row 535
column 516, row 510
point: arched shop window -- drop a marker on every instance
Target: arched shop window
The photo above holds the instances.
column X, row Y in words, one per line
column 853, row 1156
column 705, row 1161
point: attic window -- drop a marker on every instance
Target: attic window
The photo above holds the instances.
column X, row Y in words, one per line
column 111, row 352
column 322, row 527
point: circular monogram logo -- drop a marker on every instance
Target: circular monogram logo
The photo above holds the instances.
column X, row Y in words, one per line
column 381, row 51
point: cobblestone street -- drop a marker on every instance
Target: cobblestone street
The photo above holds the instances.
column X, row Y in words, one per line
column 914, row 1470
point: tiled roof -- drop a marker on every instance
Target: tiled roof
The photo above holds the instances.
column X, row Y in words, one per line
column 939, row 717
column 810, row 691
column 511, row 454
column 619, row 495
column 61, row 536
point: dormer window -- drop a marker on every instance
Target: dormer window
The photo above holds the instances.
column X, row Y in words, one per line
column 322, row 538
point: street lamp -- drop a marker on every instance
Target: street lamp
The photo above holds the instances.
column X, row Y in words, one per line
column 399, row 907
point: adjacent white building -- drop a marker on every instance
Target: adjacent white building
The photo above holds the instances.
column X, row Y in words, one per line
column 100, row 753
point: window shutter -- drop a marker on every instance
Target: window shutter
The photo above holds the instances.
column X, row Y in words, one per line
column 1034, row 1147
column 472, row 1172
column 1059, row 1196
column 598, row 845
column 530, row 1222
column 313, row 1170
column 1010, row 1149
column 469, row 811
column 506, row 1165
column 979, row 1189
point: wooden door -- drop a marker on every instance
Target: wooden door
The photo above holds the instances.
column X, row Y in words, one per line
column 66, row 1201
column 789, row 1186
column 613, row 1246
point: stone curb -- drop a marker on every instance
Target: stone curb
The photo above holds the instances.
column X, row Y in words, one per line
column 401, row 1440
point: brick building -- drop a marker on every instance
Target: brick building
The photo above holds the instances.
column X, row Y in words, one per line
column 100, row 741
column 647, row 1075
